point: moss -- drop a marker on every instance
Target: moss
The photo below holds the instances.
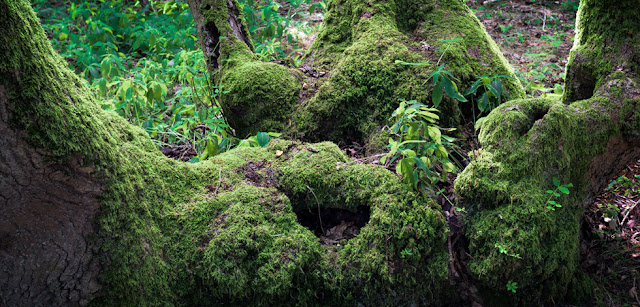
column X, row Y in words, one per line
column 525, row 144
column 261, row 97
column 365, row 82
column 246, row 245
column 606, row 36
column 223, row 230
column 257, row 96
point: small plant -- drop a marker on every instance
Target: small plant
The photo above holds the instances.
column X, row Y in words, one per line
column 562, row 188
column 503, row 250
column 505, row 29
column 487, row 92
column 629, row 185
column 405, row 252
column 420, row 146
column 512, row 286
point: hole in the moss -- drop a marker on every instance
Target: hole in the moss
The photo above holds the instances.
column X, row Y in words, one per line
column 337, row 224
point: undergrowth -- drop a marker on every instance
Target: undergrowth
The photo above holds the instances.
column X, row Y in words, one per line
column 144, row 63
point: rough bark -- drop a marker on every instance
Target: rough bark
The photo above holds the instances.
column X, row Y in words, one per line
column 93, row 213
column 46, row 208
column 526, row 143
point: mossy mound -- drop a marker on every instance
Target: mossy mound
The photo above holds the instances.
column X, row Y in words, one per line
column 513, row 235
column 606, row 44
column 240, row 240
column 261, row 97
column 360, row 44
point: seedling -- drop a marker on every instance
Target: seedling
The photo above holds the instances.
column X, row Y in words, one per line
column 560, row 188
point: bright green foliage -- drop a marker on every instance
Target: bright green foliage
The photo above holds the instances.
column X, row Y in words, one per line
column 268, row 27
column 512, row 286
column 420, row 146
column 490, row 93
column 564, row 188
column 145, row 64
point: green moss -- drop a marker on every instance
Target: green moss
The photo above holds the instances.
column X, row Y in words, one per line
column 525, row 144
column 246, row 245
column 261, row 97
column 223, row 230
column 365, row 82
column 606, row 36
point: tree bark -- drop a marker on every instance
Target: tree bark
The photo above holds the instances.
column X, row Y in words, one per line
column 92, row 212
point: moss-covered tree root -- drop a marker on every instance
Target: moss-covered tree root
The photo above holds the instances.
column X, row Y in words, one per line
column 526, row 143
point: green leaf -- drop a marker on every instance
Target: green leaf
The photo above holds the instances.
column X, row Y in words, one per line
column 452, row 90
column 263, row 139
column 473, row 88
column 105, row 67
column 551, row 202
column 436, row 96
column 556, row 182
column 483, row 103
column 435, row 134
column 563, row 190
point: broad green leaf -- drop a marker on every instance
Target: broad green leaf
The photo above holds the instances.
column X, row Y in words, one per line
column 452, row 90
column 409, row 153
column 493, row 91
column 436, row 96
column 420, row 164
column 105, row 67
column 483, row 103
column 263, row 139
column 448, row 167
column 435, row 134
column 556, row 182
column 473, row 88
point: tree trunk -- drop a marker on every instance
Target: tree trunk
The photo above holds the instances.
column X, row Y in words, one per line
column 93, row 212
column 261, row 96
column 528, row 143
column 352, row 75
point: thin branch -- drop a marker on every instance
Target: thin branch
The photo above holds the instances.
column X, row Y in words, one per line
column 317, row 202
